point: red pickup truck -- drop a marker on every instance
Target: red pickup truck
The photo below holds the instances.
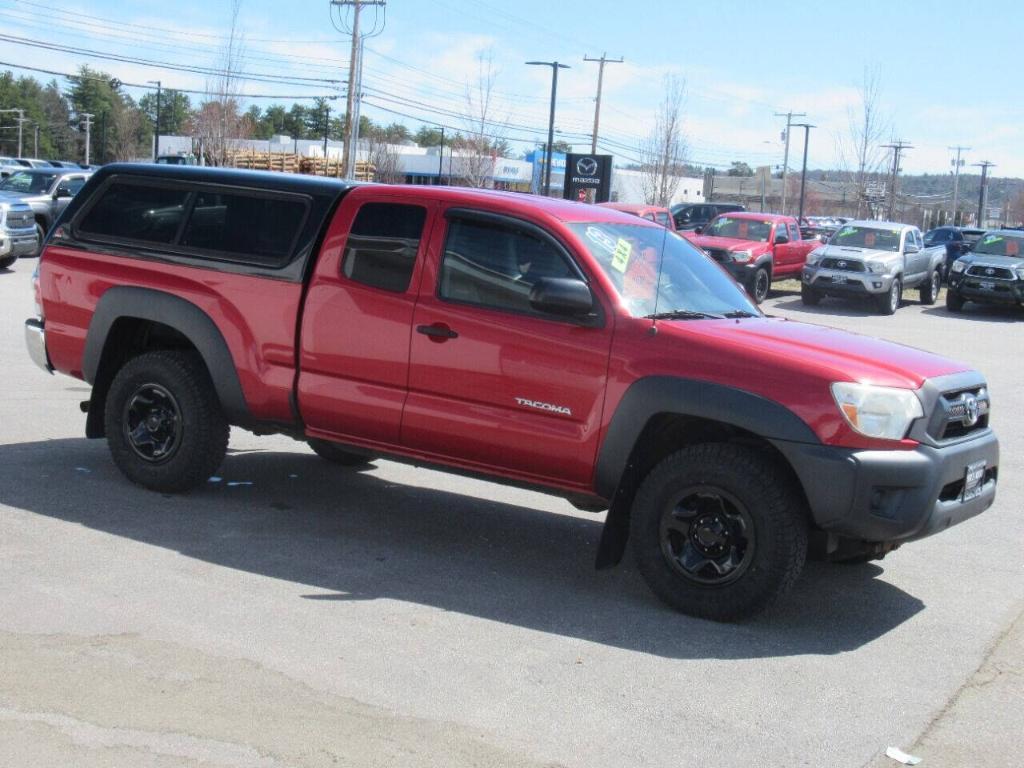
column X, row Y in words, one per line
column 756, row 248
column 543, row 343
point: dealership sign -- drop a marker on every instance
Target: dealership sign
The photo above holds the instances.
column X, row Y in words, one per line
column 588, row 178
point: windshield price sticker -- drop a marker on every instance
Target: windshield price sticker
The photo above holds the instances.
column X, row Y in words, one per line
column 620, row 259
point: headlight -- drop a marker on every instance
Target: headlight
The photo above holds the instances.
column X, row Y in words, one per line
column 884, row 412
column 958, row 266
column 1020, row 273
column 741, row 255
column 814, row 256
column 877, row 267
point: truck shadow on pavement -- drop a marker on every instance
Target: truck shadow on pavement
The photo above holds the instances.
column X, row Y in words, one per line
column 345, row 535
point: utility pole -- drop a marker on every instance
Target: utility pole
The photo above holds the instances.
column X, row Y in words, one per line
column 555, row 66
column 327, row 129
column 21, row 119
column 35, row 144
column 803, row 173
column 440, row 158
column 351, row 134
column 597, row 102
column 785, row 161
column 957, row 164
column 87, row 117
column 897, row 150
column 156, row 129
column 983, row 193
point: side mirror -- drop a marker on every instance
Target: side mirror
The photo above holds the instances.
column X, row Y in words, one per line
column 698, row 230
column 62, row 192
column 781, row 239
column 911, row 249
column 562, row 296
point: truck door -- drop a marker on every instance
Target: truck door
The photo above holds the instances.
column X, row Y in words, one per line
column 494, row 383
column 789, row 257
column 354, row 345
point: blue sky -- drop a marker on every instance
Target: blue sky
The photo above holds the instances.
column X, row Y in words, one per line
column 950, row 74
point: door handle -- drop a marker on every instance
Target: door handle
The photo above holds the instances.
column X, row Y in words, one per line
column 437, row 332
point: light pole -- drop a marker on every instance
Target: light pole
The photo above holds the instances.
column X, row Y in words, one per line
column 803, row 173
column 555, row 66
column 87, row 119
column 156, row 128
column 21, row 120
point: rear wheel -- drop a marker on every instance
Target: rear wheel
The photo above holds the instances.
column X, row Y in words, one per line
column 7, row 261
column 929, row 290
column 718, row 532
column 325, row 449
column 954, row 301
column 165, row 428
column 809, row 296
column 760, row 284
column 889, row 302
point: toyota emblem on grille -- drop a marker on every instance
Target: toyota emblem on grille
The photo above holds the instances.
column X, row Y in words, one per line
column 972, row 411
column 586, row 166
column 841, row 264
column 989, row 271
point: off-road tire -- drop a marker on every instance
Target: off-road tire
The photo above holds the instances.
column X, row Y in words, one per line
column 773, row 504
column 954, row 301
column 203, row 439
column 8, row 262
column 41, row 235
column 929, row 290
column 809, row 296
column 760, row 284
column 890, row 301
column 334, row 453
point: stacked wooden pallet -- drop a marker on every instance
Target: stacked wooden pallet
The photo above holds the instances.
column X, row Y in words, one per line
column 287, row 162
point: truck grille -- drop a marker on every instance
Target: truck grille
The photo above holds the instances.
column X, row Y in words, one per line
column 843, row 264
column 721, row 255
column 996, row 273
column 960, row 413
column 20, row 219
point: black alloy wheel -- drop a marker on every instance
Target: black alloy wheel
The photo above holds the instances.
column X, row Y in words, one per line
column 761, row 285
column 707, row 535
column 152, row 423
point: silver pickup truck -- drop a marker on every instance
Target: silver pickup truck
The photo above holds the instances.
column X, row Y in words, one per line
column 18, row 235
column 876, row 260
column 46, row 190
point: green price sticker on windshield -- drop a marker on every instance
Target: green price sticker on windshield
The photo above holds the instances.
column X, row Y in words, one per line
column 620, row 259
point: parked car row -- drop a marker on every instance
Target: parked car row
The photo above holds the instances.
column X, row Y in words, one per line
column 45, row 193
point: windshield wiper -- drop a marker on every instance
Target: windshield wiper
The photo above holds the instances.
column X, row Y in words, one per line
column 739, row 313
column 681, row 314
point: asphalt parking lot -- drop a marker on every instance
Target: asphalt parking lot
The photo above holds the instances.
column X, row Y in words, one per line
column 296, row 614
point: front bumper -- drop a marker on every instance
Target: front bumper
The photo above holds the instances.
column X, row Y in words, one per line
column 35, row 340
column 980, row 289
column 836, row 282
column 893, row 496
column 16, row 243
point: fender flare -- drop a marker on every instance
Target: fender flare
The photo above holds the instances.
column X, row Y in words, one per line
column 652, row 395
column 181, row 315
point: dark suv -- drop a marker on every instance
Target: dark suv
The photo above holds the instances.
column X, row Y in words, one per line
column 696, row 215
column 992, row 273
column 958, row 241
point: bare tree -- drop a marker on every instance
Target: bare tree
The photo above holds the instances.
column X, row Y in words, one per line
column 860, row 150
column 220, row 120
column 126, row 122
column 484, row 130
column 663, row 152
column 382, row 158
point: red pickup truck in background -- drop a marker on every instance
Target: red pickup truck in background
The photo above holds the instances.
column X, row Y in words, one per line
column 756, row 248
column 543, row 343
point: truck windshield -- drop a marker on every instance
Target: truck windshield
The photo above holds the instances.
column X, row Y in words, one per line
column 741, row 229
column 867, row 237
column 999, row 245
column 32, row 183
column 636, row 257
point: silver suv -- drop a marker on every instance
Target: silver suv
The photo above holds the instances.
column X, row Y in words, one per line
column 17, row 232
column 873, row 259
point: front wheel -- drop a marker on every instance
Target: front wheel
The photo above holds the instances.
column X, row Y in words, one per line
column 8, row 262
column 165, row 428
column 889, row 302
column 718, row 532
column 809, row 296
column 954, row 301
column 930, row 288
column 760, row 284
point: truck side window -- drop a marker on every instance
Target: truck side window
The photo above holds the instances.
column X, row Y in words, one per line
column 794, row 233
column 248, row 228
column 495, row 266
column 127, row 211
column 382, row 246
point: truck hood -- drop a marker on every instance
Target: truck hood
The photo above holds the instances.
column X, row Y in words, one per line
column 792, row 351
column 992, row 260
column 857, row 254
column 726, row 243
column 20, row 197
